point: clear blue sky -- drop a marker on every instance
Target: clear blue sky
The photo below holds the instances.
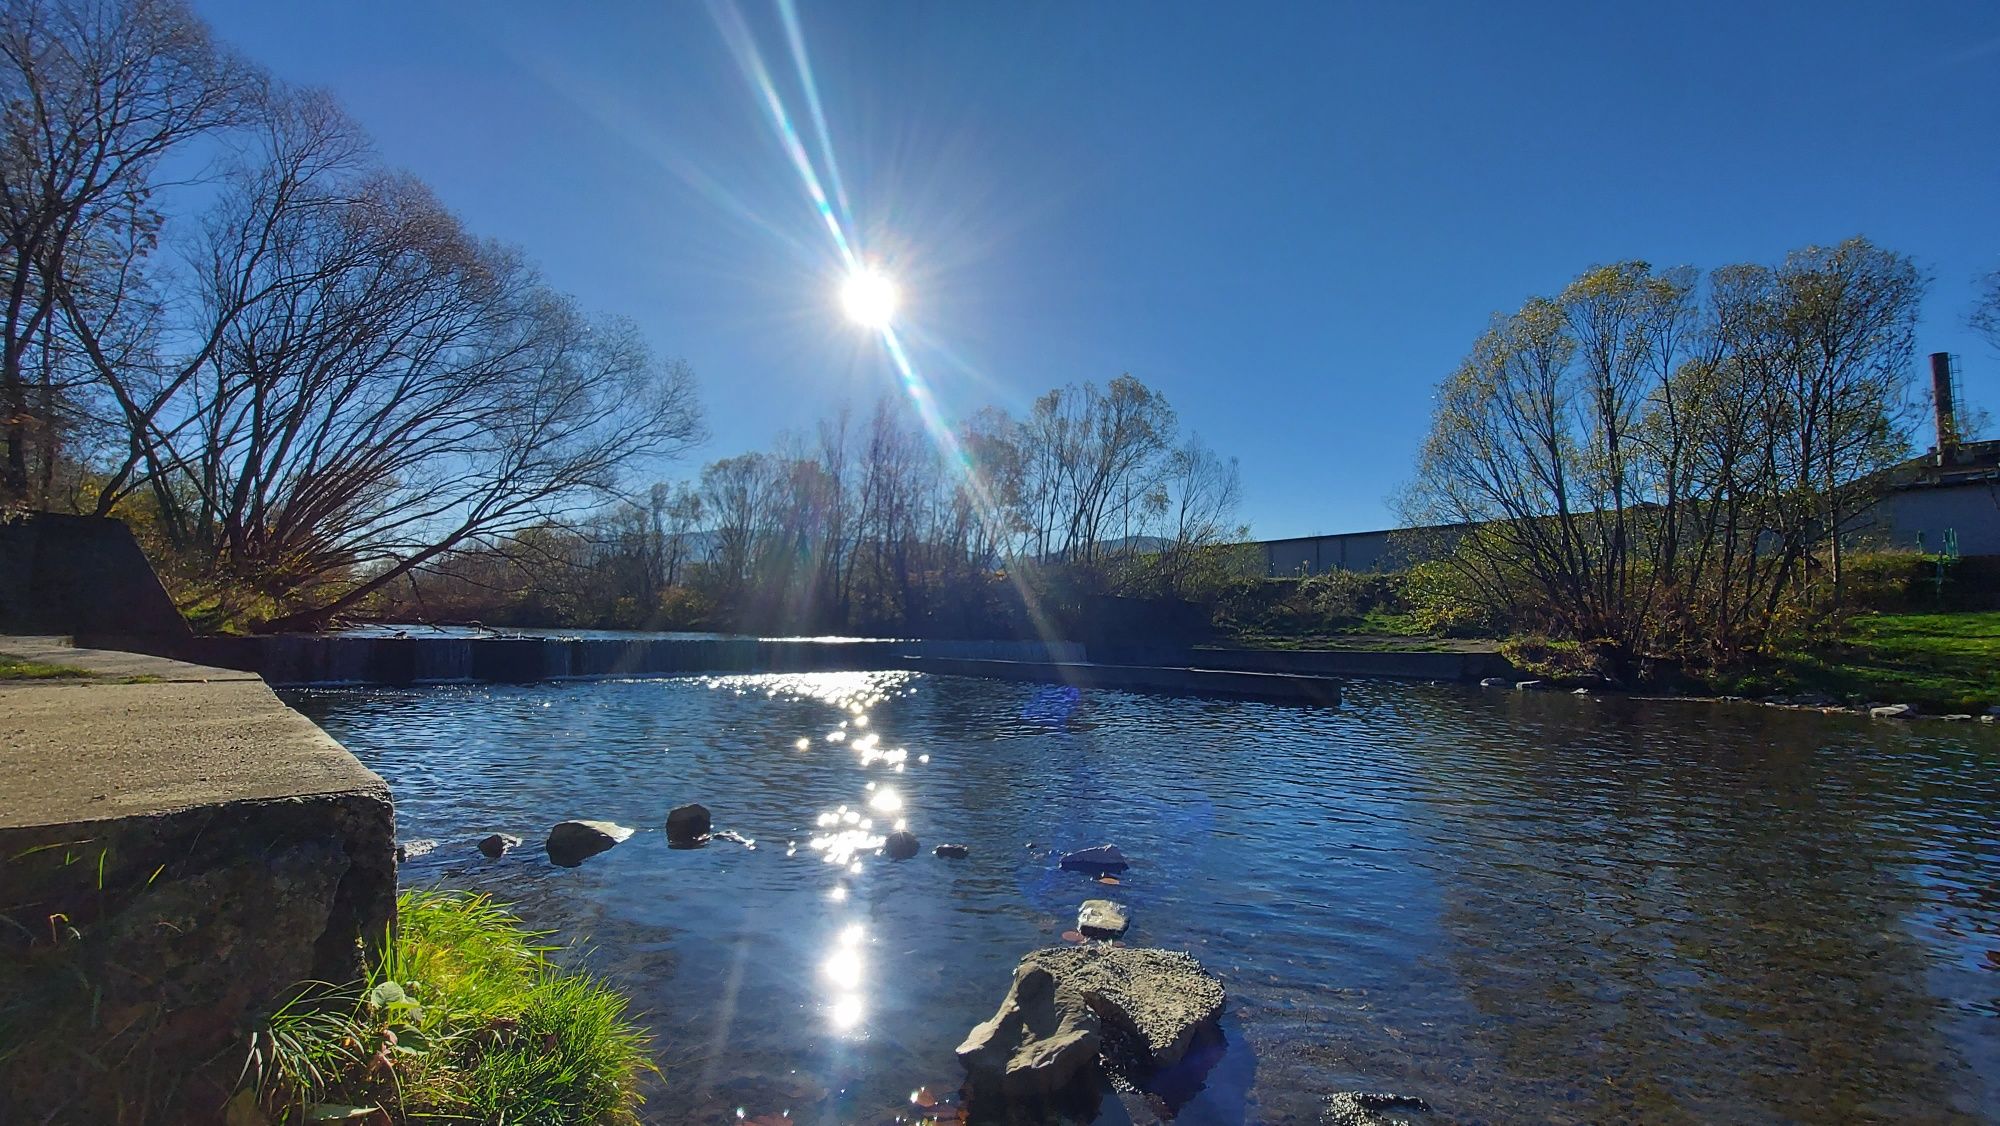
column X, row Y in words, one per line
column 1292, row 219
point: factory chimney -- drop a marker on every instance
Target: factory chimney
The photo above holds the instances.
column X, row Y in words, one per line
column 1941, row 395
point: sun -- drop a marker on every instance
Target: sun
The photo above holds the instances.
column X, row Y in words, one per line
column 869, row 298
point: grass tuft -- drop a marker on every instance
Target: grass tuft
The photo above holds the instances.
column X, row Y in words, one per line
column 467, row 1019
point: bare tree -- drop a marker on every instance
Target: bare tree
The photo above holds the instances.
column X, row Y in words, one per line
column 97, row 93
column 1626, row 468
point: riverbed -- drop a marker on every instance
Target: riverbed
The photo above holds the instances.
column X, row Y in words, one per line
column 1520, row 907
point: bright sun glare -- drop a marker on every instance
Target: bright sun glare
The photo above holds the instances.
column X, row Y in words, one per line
column 869, row 298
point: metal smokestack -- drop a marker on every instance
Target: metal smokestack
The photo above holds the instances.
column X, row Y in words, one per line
column 1947, row 416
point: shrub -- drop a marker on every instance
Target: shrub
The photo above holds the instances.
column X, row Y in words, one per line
column 1442, row 600
column 466, row 1019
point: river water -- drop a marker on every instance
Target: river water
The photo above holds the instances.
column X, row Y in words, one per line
column 1521, row 907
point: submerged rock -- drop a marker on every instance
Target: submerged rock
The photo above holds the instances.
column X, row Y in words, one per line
column 1892, row 711
column 1101, row 918
column 1042, row 1039
column 570, row 843
column 1161, row 999
column 688, row 824
column 1103, row 858
column 952, row 851
column 900, row 845
column 497, row 844
column 1369, row 1108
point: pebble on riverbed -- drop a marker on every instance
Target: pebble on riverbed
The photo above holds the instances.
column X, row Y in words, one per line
column 1103, row 858
column 688, row 824
column 497, row 844
column 570, row 843
column 900, row 845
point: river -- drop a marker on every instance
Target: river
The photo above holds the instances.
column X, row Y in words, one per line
column 1521, row 907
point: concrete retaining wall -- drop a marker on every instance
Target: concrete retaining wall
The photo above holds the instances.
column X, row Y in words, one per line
column 175, row 858
column 80, row 575
column 1355, row 662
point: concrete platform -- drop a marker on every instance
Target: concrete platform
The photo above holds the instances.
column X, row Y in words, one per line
column 179, row 854
column 112, row 664
column 79, row 752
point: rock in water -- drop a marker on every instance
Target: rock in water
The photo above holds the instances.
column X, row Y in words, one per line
column 1369, row 1108
column 1160, row 999
column 408, row 850
column 952, row 851
column 1040, row 1041
column 1892, row 711
column 1496, row 682
column 688, row 824
column 572, row 842
column 1101, row 918
column 498, row 844
column 900, row 845
column 1103, row 858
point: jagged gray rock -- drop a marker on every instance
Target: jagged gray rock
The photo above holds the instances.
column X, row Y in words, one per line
column 1040, row 1041
column 570, row 843
column 1160, row 998
column 1101, row 918
column 410, row 850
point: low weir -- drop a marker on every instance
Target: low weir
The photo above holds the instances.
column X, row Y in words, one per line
column 306, row 659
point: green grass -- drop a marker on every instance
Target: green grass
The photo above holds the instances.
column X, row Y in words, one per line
column 20, row 668
column 1938, row 662
column 467, row 1020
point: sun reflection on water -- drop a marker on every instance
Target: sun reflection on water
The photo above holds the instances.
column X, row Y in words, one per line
column 845, row 968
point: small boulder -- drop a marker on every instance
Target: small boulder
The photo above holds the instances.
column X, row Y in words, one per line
column 1527, row 685
column 407, row 850
column 900, row 845
column 1892, row 711
column 688, row 824
column 1042, row 1039
column 1369, row 1108
column 570, row 843
column 1103, row 858
column 1101, row 918
column 1157, row 1000
column 952, row 851
column 497, row 844
column 1496, row 682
